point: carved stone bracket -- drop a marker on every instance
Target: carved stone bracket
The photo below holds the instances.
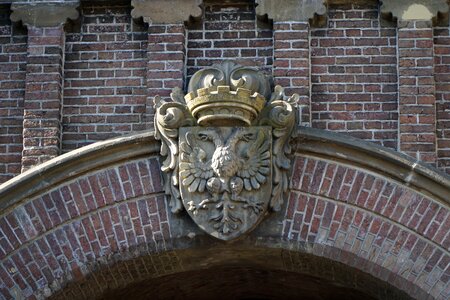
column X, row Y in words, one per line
column 424, row 10
column 291, row 10
column 227, row 148
column 44, row 14
column 166, row 11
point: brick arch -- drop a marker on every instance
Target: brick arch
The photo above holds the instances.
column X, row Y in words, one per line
column 205, row 268
column 352, row 206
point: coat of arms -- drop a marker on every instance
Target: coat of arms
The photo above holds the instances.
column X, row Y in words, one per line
column 227, row 147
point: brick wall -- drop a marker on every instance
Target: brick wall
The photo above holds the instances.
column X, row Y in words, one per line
column 291, row 67
column 345, row 72
column 43, row 95
column 166, row 62
column 354, row 75
column 417, row 102
column 141, row 220
column 229, row 31
column 442, row 78
column 13, row 53
column 364, row 219
column 105, row 70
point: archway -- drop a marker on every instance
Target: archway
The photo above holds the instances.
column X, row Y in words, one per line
column 358, row 219
column 243, row 270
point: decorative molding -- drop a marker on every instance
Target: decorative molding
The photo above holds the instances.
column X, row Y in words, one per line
column 75, row 163
column 244, row 89
column 44, row 14
column 406, row 10
column 383, row 161
column 291, row 10
column 314, row 142
column 166, row 11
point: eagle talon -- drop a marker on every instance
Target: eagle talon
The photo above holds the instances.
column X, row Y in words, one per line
column 191, row 206
column 203, row 204
column 257, row 207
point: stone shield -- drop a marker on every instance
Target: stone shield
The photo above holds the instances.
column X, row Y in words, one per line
column 225, row 177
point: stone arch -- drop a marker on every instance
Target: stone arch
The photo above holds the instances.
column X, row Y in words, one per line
column 353, row 208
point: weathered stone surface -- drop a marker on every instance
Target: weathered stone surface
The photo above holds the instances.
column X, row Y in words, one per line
column 233, row 75
column 166, row 11
column 226, row 177
column 290, row 10
column 405, row 10
column 227, row 94
column 44, row 14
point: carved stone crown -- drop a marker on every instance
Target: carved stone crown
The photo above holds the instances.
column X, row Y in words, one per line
column 227, row 94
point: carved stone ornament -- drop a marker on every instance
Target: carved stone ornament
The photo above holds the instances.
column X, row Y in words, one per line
column 405, row 10
column 227, row 148
column 44, row 14
column 166, row 11
column 291, row 10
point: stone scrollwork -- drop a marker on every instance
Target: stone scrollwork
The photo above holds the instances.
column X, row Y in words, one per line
column 169, row 117
column 227, row 148
column 281, row 115
column 232, row 75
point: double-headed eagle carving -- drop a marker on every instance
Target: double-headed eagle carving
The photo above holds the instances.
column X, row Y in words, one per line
column 227, row 171
column 227, row 148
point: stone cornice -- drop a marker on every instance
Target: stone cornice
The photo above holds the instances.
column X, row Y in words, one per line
column 166, row 11
column 406, row 10
column 74, row 163
column 44, row 14
column 53, row 13
column 291, row 10
column 380, row 160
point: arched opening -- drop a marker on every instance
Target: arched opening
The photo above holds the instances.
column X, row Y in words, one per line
column 118, row 237
column 229, row 272
column 236, row 282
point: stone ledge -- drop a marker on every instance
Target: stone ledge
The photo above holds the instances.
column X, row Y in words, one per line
column 407, row 10
column 166, row 11
column 44, row 14
column 291, row 10
column 314, row 142
column 74, row 163
column 383, row 161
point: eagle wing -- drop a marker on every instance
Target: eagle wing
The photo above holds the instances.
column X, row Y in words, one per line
column 255, row 163
column 195, row 168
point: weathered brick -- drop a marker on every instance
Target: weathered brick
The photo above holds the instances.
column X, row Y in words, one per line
column 118, row 61
column 332, row 47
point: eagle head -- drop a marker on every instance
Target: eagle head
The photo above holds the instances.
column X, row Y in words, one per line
column 225, row 162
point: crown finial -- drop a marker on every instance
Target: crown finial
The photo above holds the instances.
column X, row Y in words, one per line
column 227, row 94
